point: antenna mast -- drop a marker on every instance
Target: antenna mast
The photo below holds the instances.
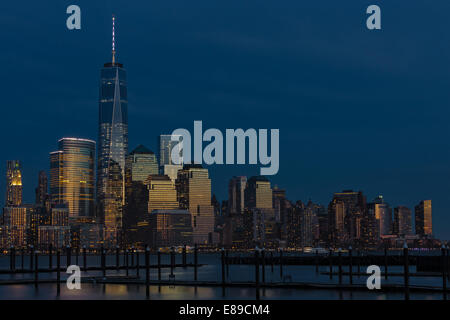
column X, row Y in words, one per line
column 113, row 41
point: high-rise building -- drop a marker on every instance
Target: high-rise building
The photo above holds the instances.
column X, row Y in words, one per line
column 72, row 175
column 194, row 193
column 346, row 212
column 112, row 146
column 258, row 193
column 171, row 170
column 383, row 215
column 162, row 194
column 309, row 224
column 42, row 188
column 236, row 195
column 402, row 221
column 140, row 163
column 170, row 228
column 13, row 183
column 17, row 221
column 259, row 204
column 165, row 148
column 59, row 215
column 424, row 225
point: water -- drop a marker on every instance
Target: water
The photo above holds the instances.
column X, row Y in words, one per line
column 211, row 271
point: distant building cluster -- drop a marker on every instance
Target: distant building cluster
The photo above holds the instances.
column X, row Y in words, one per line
column 99, row 193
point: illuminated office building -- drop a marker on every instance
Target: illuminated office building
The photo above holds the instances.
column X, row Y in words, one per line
column 309, row 224
column 17, row 221
column 165, row 148
column 236, row 195
column 259, row 204
column 170, row 228
column 55, row 236
column 162, row 193
column 112, row 146
column 346, row 212
column 72, row 175
column 141, row 163
column 194, row 194
column 171, row 170
column 13, row 183
column 258, row 193
column 383, row 214
column 59, row 215
column 424, row 225
column 402, row 221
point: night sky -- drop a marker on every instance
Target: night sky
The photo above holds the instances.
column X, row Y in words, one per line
column 357, row 109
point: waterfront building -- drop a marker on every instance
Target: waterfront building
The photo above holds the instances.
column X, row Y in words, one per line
column 402, row 221
column 423, row 218
column 72, row 175
column 194, row 194
column 236, row 195
column 112, row 147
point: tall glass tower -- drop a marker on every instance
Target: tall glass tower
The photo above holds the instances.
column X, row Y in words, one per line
column 112, row 146
column 72, row 176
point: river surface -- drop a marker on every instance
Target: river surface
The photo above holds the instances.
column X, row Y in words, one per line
column 210, row 271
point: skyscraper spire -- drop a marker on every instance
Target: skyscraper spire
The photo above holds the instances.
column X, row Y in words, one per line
column 113, row 41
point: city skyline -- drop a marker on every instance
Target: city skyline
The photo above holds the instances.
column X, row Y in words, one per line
column 219, row 181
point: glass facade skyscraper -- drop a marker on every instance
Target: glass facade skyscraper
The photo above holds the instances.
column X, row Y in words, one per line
column 72, row 176
column 141, row 163
column 236, row 195
column 112, row 146
column 424, row 225
column 194, row 193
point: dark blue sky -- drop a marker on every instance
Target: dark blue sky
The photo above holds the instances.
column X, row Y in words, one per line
column 356, row 109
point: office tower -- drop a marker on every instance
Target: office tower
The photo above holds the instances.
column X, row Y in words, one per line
column 424, row 225
column 258, row 193
column 42, row 189
column 402, row 221
column 59, row 215
column 141, row 162
column 383, row 214
column 72, row 175
column 17, row 220
column 322, row 219
column 165, row 148
column 139, row 165
column 293, row 226
column 309, row 224
column 236, row 195
column 170, row 228
column 346, row 212
column 162, row 194
column 171, row 170
column 166, row 165
column 259, row 204
column 86, row 231
column 112, row 146
column 13, row 183
column 55, row 236
column 194, row 193
column 280, row 204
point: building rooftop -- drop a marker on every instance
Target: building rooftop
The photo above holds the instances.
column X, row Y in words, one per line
column 141, row 149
